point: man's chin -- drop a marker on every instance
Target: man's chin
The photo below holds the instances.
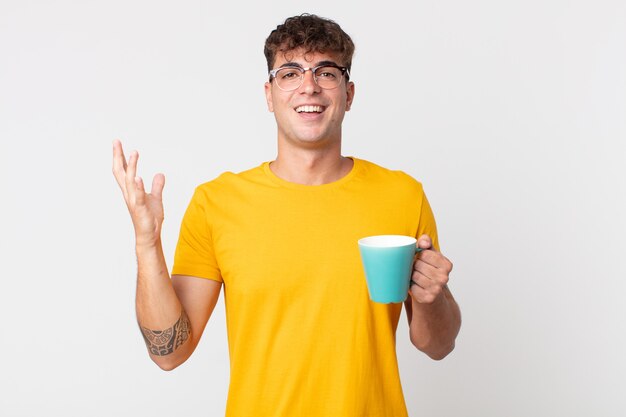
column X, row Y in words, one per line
column 310, row 138
column 312, row 141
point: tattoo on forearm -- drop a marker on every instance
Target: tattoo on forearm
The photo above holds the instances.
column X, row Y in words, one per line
column 164, row 342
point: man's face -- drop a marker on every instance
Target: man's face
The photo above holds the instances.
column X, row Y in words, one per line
column 320, row 122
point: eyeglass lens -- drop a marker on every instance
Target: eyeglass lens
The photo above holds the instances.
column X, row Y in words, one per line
column 291, row 78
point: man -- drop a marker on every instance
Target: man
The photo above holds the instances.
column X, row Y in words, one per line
column 304, row 338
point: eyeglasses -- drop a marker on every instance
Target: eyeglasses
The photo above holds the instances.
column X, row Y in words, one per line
column 327, row 76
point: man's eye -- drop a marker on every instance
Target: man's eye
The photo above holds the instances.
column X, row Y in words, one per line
column 289, row 75
column 327, row 73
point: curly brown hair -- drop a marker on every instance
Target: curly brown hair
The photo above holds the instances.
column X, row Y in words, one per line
column 311, row 32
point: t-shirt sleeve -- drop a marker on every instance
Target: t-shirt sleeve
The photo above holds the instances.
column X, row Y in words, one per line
column 427, row 223
column 195, row 255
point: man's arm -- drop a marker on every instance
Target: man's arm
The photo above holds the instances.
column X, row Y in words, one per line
column 433, row 314
column 171, row 313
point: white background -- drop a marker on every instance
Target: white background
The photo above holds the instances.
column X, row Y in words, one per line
column 511, row 113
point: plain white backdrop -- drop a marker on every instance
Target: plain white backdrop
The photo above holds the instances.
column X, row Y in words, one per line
column 511, row 113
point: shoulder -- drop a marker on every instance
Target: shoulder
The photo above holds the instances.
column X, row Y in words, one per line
column 228, row 181
column 375, row 173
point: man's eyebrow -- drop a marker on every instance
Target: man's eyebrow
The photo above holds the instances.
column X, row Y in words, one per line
column 327, row 63
column 290, row 65
column 320, row 63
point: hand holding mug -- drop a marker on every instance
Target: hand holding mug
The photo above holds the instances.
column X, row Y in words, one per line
column 431, row 272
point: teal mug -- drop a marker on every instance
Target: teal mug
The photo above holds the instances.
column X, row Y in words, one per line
column 387, row 261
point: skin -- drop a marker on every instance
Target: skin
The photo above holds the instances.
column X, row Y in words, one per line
column 309, row 149
column 173, row 312
column 433, row 314
column 180, row 306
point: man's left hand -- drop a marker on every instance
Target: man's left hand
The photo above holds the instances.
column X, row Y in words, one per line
column 431, row 272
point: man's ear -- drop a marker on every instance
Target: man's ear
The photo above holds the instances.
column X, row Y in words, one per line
column 268, row 97
column 349, row 95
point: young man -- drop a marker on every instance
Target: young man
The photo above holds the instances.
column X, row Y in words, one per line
column 304, row 338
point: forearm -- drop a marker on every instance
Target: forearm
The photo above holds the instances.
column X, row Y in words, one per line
column 434, row 327
column 161, row 317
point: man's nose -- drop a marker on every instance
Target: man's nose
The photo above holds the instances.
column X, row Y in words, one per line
column 309, row 85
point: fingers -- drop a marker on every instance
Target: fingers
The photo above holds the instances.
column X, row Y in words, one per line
column 119, row 165
column 118, row 153
column 131, row 173
column 431, row 256
column 435, row 260
column 425, row 269
column 427, row 276
column 424, row 242
column 424, row 293
column 126, row 176
column 427, row 283
column 125, row 173
column 431, row 273
column 158, row 182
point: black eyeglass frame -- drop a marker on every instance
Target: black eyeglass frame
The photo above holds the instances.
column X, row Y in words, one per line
column 344, row 72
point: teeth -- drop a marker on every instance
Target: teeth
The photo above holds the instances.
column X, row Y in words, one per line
column 309, row 109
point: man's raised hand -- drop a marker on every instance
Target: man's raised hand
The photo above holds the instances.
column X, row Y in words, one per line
column 146, row 209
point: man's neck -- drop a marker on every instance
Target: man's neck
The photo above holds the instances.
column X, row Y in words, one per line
column 311, row 167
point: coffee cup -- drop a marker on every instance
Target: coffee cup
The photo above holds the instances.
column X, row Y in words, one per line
column 387, row 261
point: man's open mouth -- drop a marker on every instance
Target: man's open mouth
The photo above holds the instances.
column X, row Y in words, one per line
column 310, row 109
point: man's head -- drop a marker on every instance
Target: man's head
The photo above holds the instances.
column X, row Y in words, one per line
column 309, row 33
column 312, row 55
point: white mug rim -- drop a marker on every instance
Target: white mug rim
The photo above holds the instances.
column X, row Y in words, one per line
column 387, row 241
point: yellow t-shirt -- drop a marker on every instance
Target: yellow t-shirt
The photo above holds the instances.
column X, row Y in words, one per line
column 304, row 338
